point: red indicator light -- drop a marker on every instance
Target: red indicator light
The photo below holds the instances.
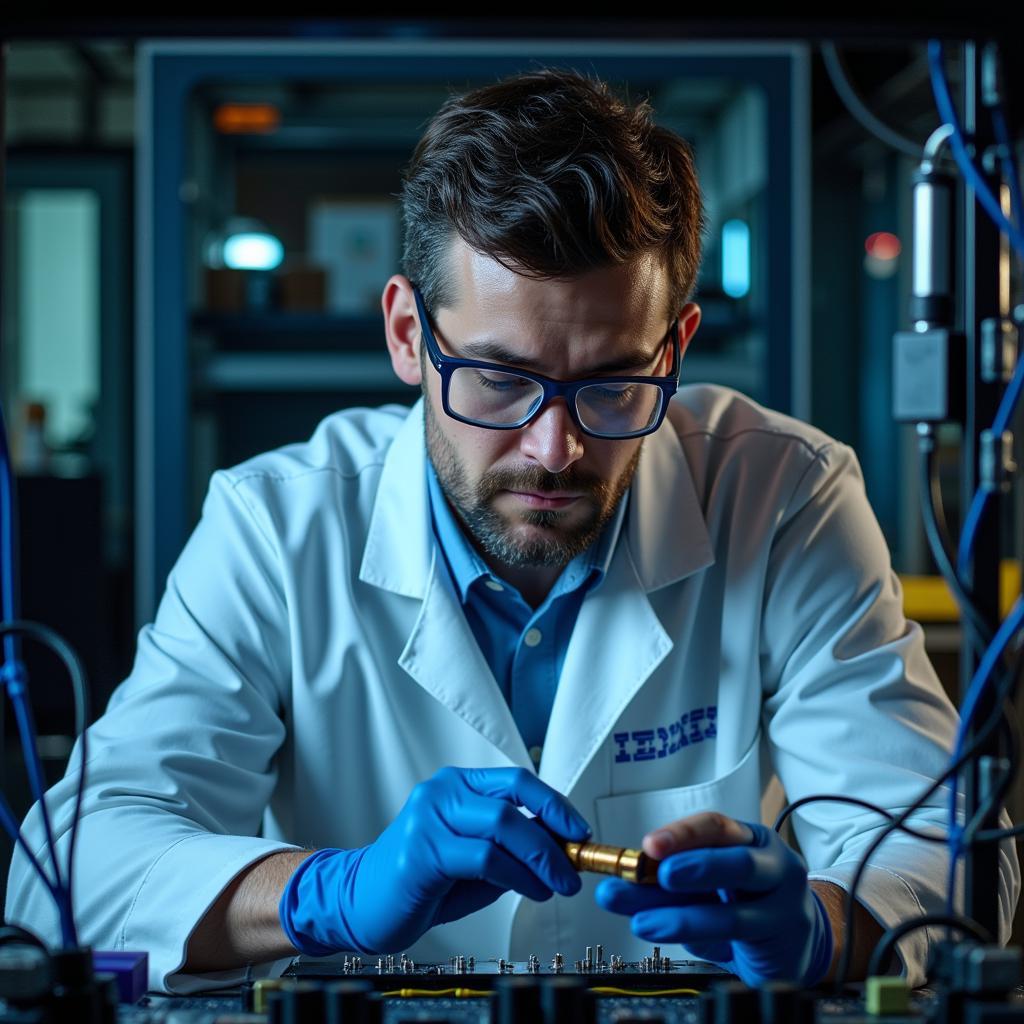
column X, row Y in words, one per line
column 883, row 245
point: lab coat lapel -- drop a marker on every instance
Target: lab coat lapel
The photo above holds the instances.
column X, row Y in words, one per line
column 441, row 653
column 618, row 640
column 399, row 544
column 668, row 536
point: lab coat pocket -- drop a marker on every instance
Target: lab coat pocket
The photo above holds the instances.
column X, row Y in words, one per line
column 623, row 819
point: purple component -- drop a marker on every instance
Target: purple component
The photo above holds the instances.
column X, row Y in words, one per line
column 131, row 969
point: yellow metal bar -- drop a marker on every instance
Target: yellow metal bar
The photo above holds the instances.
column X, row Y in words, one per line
column 929, row 599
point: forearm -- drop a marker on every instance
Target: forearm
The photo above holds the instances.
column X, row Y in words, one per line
column 866, row 930
column 242, row 926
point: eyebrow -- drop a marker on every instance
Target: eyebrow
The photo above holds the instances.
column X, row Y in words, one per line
column 494, row 351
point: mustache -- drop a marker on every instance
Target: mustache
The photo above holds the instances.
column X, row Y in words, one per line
column 538, row 480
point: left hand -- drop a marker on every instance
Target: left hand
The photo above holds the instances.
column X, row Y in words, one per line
column 734, row 894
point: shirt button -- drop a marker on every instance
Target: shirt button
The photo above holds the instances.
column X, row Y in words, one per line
column 533, row 637
column 535, row 753
column 493, row 585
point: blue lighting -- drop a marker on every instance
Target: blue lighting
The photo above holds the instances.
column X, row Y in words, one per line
column 736, row 258
column 253, row 251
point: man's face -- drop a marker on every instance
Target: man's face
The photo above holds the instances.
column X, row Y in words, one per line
column 540, row 494
column 526, row 516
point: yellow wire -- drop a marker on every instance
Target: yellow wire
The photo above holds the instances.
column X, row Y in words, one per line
column 604, row 991
column 472, row 993
column 459, row 993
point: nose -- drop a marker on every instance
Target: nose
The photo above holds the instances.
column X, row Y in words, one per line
column 553, row 439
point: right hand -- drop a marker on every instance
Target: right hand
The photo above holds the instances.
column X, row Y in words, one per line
column 457, row 844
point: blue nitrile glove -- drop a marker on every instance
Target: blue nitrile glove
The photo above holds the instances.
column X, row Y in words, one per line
column 457, row 844
column 748, row 909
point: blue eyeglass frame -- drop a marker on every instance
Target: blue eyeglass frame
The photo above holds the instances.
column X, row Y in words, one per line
column 567, row 389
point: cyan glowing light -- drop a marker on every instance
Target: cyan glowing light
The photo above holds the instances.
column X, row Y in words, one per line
column 735, row 258
column 253, row 251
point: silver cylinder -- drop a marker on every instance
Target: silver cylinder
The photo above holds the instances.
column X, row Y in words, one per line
column 933, row 211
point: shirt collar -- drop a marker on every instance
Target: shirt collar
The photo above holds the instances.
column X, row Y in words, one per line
column 466, row 566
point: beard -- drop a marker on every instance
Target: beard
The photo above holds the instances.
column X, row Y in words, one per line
column 531, row 537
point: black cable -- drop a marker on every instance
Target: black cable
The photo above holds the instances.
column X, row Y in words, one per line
column 1007, row 686
column 66, row 653
column 856, row 801
column 12, row 933
column 893, row 935
column 935, row 528
column 857, row 108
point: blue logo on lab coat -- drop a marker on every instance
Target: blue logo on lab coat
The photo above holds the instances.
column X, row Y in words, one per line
column 690, row 727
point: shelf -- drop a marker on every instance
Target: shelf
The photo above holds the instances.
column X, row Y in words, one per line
column 285, row 322
column 297, row 371
column 356, row 371
column 279, row 351
column 718, row 316
column 399, row 136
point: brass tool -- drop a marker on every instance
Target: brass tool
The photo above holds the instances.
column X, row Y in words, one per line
column 632, row 865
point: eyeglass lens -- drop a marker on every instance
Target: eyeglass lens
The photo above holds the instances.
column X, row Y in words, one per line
column 491, row 398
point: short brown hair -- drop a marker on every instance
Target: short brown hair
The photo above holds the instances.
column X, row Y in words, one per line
column 552, row 175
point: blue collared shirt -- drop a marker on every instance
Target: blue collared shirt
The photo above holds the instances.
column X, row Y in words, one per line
column 525, row 648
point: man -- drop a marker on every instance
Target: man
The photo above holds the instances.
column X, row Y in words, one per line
column 544, row 588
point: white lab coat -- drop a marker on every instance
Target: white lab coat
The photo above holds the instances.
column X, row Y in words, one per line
column 307, row 667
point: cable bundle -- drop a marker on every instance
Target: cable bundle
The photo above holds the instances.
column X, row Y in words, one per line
column 994, row 675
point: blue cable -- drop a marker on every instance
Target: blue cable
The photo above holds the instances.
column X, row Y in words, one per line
column 12, row 674
column 30, row 746
column 948, row 113
column 981, row 496
column 15, row 671
column 61, row 897
column 971, row 523
column 967, row 168
column 10, row 826
column 1009, row 628
column 60, row 647
column 979, row 502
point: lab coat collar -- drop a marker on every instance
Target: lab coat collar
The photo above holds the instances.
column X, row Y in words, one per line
column 667, row 535
column 399, row 542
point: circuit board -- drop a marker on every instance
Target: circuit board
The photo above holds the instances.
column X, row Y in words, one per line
column 467, row 990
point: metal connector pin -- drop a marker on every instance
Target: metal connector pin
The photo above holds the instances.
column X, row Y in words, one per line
column 632, row 865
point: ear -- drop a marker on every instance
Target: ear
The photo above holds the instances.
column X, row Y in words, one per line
column 402, row 328
column 689, row 321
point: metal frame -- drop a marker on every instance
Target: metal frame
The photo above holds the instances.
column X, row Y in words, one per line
column 979, row 286
column 109, row 175
column 168, row 70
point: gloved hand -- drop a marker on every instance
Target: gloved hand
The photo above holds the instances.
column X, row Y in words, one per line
column 747, row 908
column 457, row 844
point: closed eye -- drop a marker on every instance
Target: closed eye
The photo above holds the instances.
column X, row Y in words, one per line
column 615, row 393
column 494, row 381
